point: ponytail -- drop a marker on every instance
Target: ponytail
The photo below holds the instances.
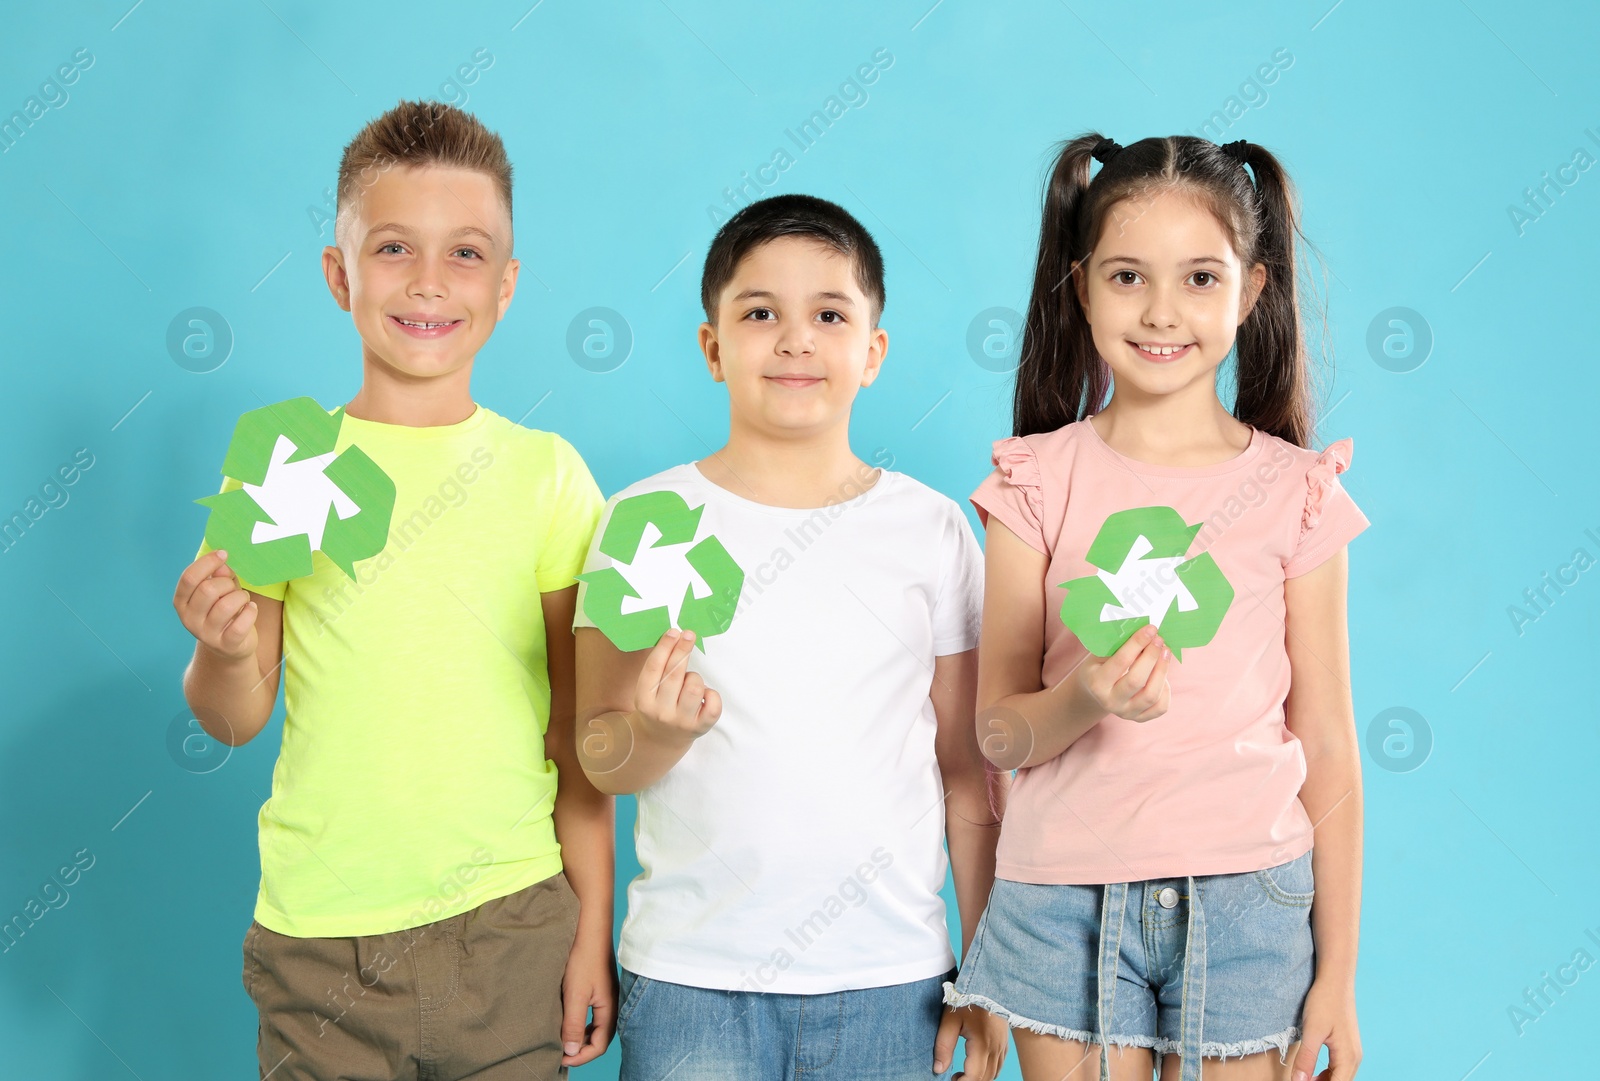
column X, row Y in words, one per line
column 1061, row 377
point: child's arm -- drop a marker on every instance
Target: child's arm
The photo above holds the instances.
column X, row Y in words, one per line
column 638, row 712
column 1020, row 722
column 972, row 829
column 1319, row 713
column 586, row 830
column 972, row 825
column 231, row 684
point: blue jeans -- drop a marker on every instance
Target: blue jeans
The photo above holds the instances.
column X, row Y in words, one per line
column 1213, row 966
column 700, row 1034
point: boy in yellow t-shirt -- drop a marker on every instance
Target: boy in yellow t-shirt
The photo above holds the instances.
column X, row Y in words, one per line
column 433, row 903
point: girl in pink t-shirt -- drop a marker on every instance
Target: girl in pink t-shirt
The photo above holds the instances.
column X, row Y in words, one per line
column 1165, row 659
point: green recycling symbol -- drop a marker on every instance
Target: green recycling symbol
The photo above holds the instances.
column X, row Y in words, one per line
column 297, row 496
column 1144, row 578
column 677, row 523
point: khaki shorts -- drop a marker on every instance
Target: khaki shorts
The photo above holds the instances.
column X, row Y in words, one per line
column 477, row 995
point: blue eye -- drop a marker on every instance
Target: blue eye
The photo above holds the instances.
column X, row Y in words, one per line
column 391, row 244
column 469, row 251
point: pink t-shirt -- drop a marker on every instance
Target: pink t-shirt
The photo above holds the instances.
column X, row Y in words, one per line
column 1211, row 786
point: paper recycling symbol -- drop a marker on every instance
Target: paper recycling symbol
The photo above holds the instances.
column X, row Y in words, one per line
column 297, row 496
column 648, row 534
column 1144, row 578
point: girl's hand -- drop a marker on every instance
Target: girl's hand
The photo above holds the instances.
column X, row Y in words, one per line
column 1132, row 682
column 671, row 699
column 1329, row 1018
column 987, row 1038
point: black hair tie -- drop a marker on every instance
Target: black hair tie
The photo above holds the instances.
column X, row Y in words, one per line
column 1104, row 149
column 1236, row 150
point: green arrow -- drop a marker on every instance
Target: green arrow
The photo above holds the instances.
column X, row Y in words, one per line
column 309, row 426
column 1080, row 611
column 602, row 603
column 711, row 614
column 230, row 525
column 1162, row 526
column 665, row 509
column 1211, row 591
column 362, row 536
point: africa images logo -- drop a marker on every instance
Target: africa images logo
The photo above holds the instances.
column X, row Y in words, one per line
column 1143, row 577
column 297, row 496
column 653, row 535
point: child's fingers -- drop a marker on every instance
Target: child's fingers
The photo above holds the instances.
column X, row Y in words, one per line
column 692, row 696
column 238, row 629
column 711, row 711
column 1306, row 1060
column 1137, row 676
column 944, row 1045
column 1155, row 686
column 574, row 1022
column 221, row 613
column 655, row 667
column 193, row 575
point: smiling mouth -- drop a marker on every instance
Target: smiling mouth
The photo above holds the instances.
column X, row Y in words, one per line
column 796, row 381
column 1161, row 353
column 425, row 328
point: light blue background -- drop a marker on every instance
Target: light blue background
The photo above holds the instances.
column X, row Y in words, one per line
column 183, row 168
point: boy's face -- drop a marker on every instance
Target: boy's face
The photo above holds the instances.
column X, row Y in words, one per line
column 1164, row 274
column 424, row 267
column 793, row 338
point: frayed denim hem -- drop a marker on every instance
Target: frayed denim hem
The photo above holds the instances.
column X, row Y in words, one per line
column 957, row 999
column 1161, row 1046
column 1279, row 1040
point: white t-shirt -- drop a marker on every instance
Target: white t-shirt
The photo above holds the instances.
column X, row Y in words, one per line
column 798, row 846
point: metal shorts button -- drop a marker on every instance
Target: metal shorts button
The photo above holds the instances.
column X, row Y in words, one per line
column 1167, row 898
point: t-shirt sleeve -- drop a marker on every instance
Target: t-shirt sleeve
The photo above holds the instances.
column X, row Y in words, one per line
column 958, row 607
column 1329, row 518
column 1013, row 492
column 278, row 590
column 574, row 510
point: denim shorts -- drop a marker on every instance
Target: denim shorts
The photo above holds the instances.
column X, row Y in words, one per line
column 1209, row 966
column 701, row 1034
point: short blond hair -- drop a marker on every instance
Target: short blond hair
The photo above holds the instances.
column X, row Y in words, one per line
column 417, row 133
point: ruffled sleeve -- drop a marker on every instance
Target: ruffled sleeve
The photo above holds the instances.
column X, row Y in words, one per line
column 1329, row 518
column 1014, row 492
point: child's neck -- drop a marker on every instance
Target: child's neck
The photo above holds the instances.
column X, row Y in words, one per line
column 1172, row 429
column 797, row 473
column 387, row 397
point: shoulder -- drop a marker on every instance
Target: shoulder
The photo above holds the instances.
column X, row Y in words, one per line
column 910, row 494
column 683, row 479
column 1316, row 467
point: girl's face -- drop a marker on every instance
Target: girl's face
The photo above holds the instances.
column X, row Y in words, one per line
column 1164, row 294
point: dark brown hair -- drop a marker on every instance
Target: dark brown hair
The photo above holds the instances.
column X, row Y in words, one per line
column 792, row 215
column 1062, row 378
column 416, row 133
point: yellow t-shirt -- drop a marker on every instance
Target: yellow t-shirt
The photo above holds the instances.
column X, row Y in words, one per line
column 412, row 783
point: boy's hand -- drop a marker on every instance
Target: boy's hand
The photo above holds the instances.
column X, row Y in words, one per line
column 1132, row 682
column 589, row 983
column 987, row 1041
column 215, row 608
column 669, row 697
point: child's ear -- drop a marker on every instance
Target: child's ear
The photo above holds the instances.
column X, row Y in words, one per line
column 338, row 281
column 508, row 287
column 712, row 350
column 1257, row 282
column 877, row 350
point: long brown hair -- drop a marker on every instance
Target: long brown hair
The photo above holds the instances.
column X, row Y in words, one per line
column 1062, row 377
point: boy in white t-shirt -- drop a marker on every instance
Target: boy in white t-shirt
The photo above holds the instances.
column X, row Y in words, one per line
column 777, row 652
